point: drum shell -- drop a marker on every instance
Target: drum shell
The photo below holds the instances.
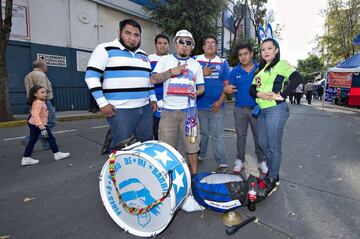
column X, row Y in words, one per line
column 143, row 170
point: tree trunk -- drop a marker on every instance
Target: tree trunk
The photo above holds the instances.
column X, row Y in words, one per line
column 5, row 114
column 5, row 29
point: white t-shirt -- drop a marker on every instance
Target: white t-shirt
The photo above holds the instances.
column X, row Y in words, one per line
column 193, row 77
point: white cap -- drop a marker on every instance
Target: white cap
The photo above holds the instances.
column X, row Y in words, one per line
column 185, row 33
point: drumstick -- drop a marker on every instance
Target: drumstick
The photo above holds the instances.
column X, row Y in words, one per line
column 231, row 230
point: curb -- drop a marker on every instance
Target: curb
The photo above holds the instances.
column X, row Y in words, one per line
column 17, row 123
column 355, row 110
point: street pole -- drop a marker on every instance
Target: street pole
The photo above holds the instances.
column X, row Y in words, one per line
column 324, row 91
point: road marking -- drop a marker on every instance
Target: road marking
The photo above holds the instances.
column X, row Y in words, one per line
column 9, row 139
column 56, row 132
column 98, row 127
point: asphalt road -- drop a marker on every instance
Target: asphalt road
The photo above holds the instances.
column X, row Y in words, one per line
column 319, row 194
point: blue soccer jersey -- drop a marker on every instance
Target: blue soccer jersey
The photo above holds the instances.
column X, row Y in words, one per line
column 214, row 83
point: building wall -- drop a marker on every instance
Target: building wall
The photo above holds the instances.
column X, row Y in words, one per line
column 65, row 32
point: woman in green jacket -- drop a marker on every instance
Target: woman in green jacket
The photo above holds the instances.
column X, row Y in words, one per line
column 270, row 93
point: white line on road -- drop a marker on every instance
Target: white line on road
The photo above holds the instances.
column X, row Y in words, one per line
column 56, row 132
column 98, row 127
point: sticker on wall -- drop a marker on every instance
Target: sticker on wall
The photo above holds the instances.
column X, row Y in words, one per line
column 53, row 60
column 82, row 59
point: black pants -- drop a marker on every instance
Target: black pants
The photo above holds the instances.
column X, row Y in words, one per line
column 298, row 98
column 34, row 136
column 156, row 127
column 309, row 97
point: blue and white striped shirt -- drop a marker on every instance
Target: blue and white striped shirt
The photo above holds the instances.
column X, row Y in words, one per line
column 120, row 77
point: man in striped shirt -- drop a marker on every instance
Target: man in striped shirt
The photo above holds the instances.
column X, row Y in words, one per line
column 118, row 75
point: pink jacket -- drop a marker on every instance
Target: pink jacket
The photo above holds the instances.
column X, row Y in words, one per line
column 39, row 113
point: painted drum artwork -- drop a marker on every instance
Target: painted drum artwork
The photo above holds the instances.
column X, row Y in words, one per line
column 140, row 174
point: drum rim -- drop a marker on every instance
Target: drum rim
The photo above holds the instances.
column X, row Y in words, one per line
column 111, row 212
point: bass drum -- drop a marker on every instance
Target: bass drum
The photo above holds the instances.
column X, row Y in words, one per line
column 141, row 176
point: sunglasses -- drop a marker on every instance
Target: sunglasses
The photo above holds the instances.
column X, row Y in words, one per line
column 183, row 42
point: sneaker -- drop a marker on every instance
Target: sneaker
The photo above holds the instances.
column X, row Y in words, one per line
column 238, row 166
column 28, row 161
column 60, row 155
column 263, row 167
column 271, row 184
column 223, row 168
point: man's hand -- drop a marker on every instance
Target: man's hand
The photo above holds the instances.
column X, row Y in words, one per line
column 153, row 105
column 216, row 107
column 208, row 70
column 178, row 70
column 230, row 89
column 108, row 110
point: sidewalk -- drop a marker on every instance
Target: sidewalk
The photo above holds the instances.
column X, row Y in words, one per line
column 331, row 105
column 60, row 116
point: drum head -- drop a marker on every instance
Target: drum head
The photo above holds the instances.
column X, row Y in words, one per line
column 140, row 180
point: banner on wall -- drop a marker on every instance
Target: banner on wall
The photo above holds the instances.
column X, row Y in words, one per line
column 340, row 79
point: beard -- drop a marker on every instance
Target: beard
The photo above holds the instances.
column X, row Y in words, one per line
column 183, row 55
column 130, row 48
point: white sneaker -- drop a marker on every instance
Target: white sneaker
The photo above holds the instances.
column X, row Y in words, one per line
column 60, row 155
column 263, row 167
column 28, row 161
column 238, row 166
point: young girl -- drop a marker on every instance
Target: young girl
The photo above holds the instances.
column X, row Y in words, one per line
column 37, row 124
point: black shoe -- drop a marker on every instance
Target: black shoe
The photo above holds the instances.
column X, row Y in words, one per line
column 106, row 145
column 105, row 151
column 271, row 184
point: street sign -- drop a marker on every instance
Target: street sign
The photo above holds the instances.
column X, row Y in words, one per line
column 53, row 60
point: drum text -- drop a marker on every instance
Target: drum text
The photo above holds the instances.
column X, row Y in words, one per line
column 161, row 179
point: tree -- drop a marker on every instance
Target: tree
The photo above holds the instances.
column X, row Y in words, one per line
column 200, row 17
column 258, row 10
column 310, row 67
column 5, row 29
column 342, row 24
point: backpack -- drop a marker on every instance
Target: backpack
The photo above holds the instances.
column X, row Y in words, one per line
column 219, row 192
column 225, row 192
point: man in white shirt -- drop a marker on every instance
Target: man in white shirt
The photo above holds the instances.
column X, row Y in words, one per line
column 183, row 81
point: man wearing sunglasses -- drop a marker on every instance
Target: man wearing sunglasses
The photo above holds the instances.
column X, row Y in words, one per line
column 211, row 104
column 183, row 82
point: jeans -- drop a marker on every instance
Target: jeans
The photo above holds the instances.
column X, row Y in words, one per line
column 242, row 118
column 50, row 124
column 52, row 115
column 129, row 122
column 34, row 136
column 271, row 128
column 212, row 124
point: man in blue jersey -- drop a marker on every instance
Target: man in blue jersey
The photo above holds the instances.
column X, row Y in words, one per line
column 118, row 75
column 210, row 105
column 162, row 49
column 241, row 78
